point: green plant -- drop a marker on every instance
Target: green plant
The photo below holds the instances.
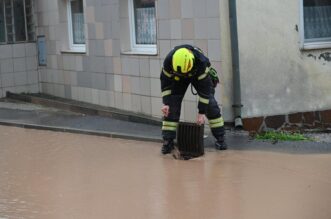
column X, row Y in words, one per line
column 281, row 136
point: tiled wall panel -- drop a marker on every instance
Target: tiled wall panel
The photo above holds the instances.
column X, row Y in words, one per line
column 107, row 74
column 18, row 68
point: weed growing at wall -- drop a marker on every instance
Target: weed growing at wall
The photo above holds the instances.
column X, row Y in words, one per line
column 282, row 136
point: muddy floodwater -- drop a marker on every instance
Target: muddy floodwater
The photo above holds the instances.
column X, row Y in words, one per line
column 48, row 175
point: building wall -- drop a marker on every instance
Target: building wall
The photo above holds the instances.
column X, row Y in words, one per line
column 278, row 78
column 226, row 65
column 18, row 68
column 108, row 74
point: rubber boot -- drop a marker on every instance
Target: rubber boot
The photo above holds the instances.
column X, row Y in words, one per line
column 168, row 146
column 220, row 145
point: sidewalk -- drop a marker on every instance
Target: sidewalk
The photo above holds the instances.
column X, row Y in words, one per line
column 29, row 115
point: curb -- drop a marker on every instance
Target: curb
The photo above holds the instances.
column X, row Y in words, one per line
column 81, row 131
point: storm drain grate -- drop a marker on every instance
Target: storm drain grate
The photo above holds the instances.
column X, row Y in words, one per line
column 190, row 139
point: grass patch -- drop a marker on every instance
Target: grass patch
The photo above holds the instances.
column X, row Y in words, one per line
column 281, row 136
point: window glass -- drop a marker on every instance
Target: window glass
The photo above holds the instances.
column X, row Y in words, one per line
column 145, row 23
column 29, row 20
column 77, row 17
column 19, row 20
column 9, row 21
column 317, row 20
column 2, row 23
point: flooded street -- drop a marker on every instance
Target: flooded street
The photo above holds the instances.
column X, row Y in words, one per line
column 55, row 175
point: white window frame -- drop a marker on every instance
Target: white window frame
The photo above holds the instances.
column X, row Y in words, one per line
column 308, row 45
column 72, row 46
column 138, row 48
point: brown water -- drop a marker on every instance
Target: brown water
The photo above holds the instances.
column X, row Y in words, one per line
column 58, row 175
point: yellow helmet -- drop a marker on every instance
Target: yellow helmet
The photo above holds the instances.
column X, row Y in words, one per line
column 182, row 60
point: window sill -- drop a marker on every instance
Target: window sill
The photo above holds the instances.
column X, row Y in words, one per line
column 137, row 52
column 73, row 52
column 316, row 45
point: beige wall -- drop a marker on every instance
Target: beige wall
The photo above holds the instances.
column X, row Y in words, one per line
column 293, row 81
column 276, row 76
column 107, row 74
column 226, row 64
column 18, row 68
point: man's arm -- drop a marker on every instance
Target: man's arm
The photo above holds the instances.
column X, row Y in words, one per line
column 166, row 86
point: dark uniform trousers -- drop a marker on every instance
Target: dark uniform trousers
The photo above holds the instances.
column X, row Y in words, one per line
column 213, row 112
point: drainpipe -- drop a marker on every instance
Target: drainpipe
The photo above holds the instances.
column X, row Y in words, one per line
column 235, row 65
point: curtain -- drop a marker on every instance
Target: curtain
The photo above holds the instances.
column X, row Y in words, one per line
column 317, row 19
column 145, row 25
column 77, row 16
column 78, row 28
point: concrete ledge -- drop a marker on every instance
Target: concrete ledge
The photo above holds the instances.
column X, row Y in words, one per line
column 84, row 108
column 82, row 131
column 300, row 121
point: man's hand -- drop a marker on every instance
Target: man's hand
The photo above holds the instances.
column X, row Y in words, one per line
column 165, row 110
column 201, row 119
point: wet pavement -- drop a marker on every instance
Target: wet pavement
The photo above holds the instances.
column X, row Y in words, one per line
column 22, row 114
column 46, row 174
column 18, row 112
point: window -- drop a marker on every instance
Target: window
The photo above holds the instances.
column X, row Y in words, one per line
column 16, row 21
column 76, row 25
column 2, row 23
column 316, row 23
column 19, row 20
column 143, row 25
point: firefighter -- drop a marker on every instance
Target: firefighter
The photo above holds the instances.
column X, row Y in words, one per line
column 185, row 65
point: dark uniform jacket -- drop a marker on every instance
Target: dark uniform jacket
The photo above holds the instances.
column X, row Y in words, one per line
column 176, row 84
